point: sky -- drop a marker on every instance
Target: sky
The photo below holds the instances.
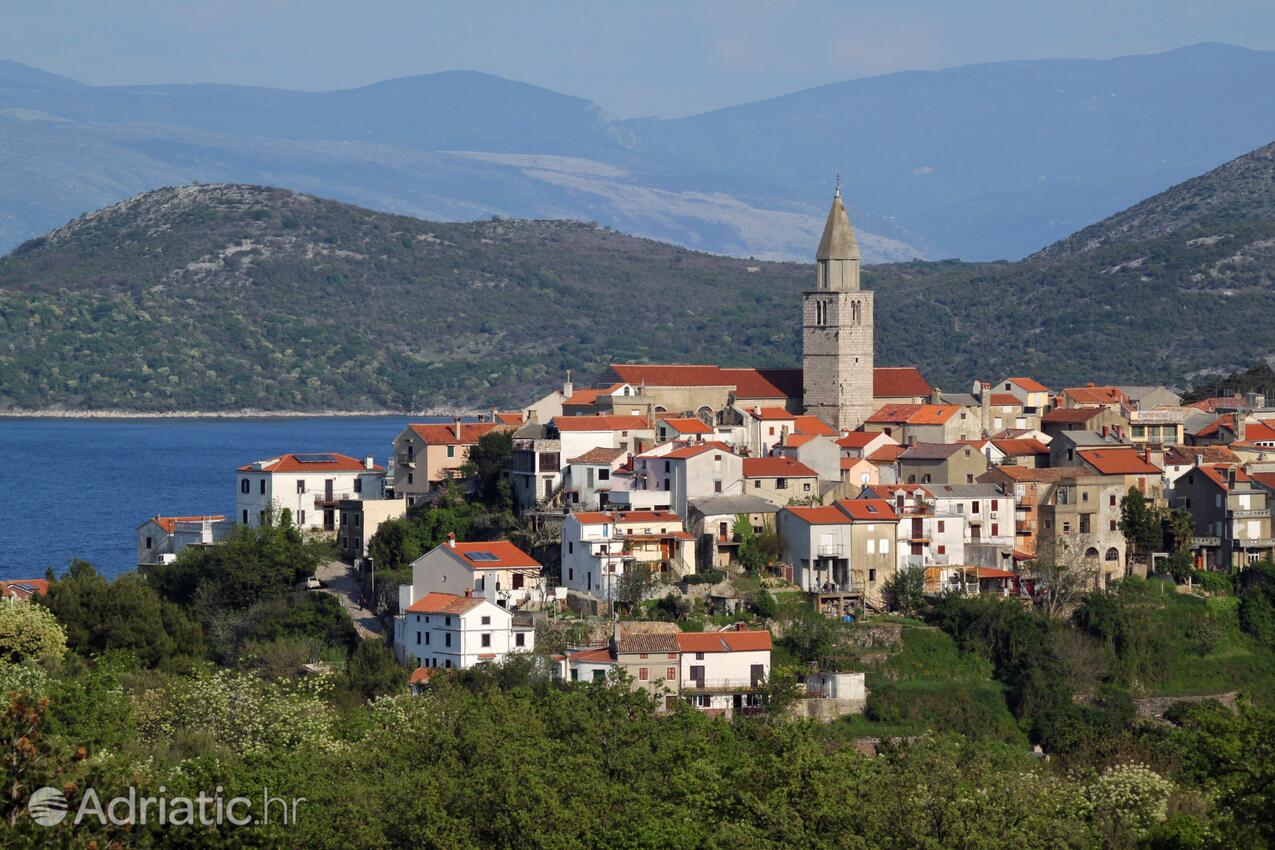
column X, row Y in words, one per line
column 641, row 57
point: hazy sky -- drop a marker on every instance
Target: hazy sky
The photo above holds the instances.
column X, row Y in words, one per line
column 643, row 57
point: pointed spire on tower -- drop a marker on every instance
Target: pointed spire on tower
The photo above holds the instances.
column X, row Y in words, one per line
column 838, row 242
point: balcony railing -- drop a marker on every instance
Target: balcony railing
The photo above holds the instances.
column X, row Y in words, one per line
column 725, row 684
column 407, row 460
column 1256, row 513
column 830, row 550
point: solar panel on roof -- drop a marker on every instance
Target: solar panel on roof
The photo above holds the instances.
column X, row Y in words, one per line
column 482, row 556
column 324, row 458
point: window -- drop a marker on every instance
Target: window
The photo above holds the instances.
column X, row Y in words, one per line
column 447, row 621
column 486, row 639
column 885, row 546
column 148, row 543
column 642, row 674
column 301, row 486
column 520, row 639
column 781, row 483
column 427, row 637
column 1112, row 501
column 571, row 548
column 872, row 547
column 448, row 666
column 486, row 620
column 358, row 485
column 451, row 451
column 642, row 655
column 410, row 477
column 772, row 430
column 996, row 529
column 757, row 484
column 604, row 474
column 717, row 486
column 974, row 507
column 872, row 575
column 942, row 526
column 1066, row 528
column 699, row 656
column 263, row 486
column 671, row 674
column 418, row 637
column 245, row 485
column 245, row 517
column 571, row 574
column 668, row 466
column 672, row 656
column 447, row 639
column 996, row 504
column 301, row 517
column 942, row 550
column 806, row 487
column 1112, row 525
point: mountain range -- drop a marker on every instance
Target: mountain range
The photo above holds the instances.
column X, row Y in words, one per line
column 980, row 162
column 228, row 297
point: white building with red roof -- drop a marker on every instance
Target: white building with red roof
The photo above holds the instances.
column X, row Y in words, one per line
column 310, row 486
column 457, row 631
column 847, row 547
column 427, row 454
column 495, row 570
column 689, row 471
column 22, row 589
column 161, row 538
column 725, row 673
column 597, row 548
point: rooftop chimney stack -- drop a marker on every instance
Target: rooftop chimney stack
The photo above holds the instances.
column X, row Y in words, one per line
column 457, row 428
column 567, row 388
column 936, row 396
column 985, row 409
column 368, row 462
column 1241, row 426
column 451, row 539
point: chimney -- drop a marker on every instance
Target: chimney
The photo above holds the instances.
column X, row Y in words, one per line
column 368, row 462
column 469, row 593
column 1230, row 478
column 567, row 388
column 457, row 427
column 985, row 409
column 1241, row 425
column 1091, row 384
column 740, row 627
column 757, row 410
column 936, row 396
column 451, row 539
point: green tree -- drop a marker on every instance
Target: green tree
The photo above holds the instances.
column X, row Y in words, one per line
column 633, row 585
column 1140, row 525
column 373, row 671
column 905, row 590
column 488, row 462
column 750, row 553
column 29, row 632
column 1257, row 602
column 125, row 614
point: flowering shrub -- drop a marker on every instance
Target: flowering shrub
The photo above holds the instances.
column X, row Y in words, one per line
column 241, row 711
column 1129, row 796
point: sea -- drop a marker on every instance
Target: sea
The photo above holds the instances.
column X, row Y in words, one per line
column 79, row 488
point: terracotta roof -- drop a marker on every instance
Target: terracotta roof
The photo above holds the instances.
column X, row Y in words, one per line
column 899, row 382
column 819, row 515
column 1028, row 473
column 602, row 423
column 1218, row 473
column 887, row 454
column 868, row 509
column 765, row 383
column 1211, row 405
column 772, row 413
column 776, row 467
column 1095, row 395
column 1253, row 431
column 509, row 418
column 694, row 450
column 503, row 555
column 444, row 603
column 420, row 675
column 599, row 456
column 444, row 434
column 1005, row 400
column 334, row 463
column 688, row 425
column 731, row 641
column 914, row 414
column 1118, row 462
column 598, row 655
column 808, row 424
column 991, row 572
column 589, row 395
column 887, row 382
column 797, row 440
column 169, row 523
column 859, row 439
column 1071, row 415
column 648, row 642
column 23, row 588
column 1020, row 447
column 1029, row 384
column 1266, row 479
column 1192, row 455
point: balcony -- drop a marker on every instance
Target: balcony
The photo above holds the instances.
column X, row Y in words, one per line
column 404, row 459
column 1255, row 543
column 1205, row 542
column 328, row 500
column 1256, row 513
column 729, row 684
column 919, row 538
column 830, row 550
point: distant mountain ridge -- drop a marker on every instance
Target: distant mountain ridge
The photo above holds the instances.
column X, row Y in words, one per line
column 983, row 161
column 226, row 297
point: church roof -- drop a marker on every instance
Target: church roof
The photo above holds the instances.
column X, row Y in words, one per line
column 838, row 242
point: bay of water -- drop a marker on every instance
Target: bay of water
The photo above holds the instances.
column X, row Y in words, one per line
column 77, row 488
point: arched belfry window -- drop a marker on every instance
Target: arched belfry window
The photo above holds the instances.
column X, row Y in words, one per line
column 821, row 313
column 855, row 317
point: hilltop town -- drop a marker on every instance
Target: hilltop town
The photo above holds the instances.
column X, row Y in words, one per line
column 860, row 488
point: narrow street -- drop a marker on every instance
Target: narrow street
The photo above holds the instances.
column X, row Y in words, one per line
column 342, row 581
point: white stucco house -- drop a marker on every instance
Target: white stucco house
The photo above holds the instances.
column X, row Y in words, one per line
column 690, row 471
column 311, row 486
column 459, row 631
column 162, row 538
column 725, row 673
column 495, row 570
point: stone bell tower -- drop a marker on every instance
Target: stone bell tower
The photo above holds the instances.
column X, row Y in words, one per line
column 836, row 321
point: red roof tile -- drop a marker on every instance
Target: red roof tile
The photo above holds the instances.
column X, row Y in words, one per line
column 444, row 603
column 887, row 454
column 169, row 523
column 887, row 381
column 730, row 641
column 1212, row 405
column 914, row 414
column 602, row 423
column 770, row 414
column 1095, row 395
column 504, row 554
column 1020, row 447
column 600, row 517
column 1070, row 415
column 694, row 450
column 23, row 588
column 819, row 515
column 899, row 382
column 338, row 463
column 688, row 425
column 776, row 467
column 1118, row 462
column 868, row 509
column 600, row 456
column 598, row 655
column 1029, row 384
column 440, row 434
column 808, row 424
column 765, row 383
column 858, row 439
column 1218, row 474
column 1005, row 400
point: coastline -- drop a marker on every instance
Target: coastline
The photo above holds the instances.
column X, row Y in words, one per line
column 433, row 413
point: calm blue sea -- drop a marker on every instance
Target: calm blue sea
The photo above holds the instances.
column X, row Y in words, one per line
column 80, row 488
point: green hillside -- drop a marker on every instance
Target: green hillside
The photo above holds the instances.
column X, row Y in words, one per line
column 228, row 297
